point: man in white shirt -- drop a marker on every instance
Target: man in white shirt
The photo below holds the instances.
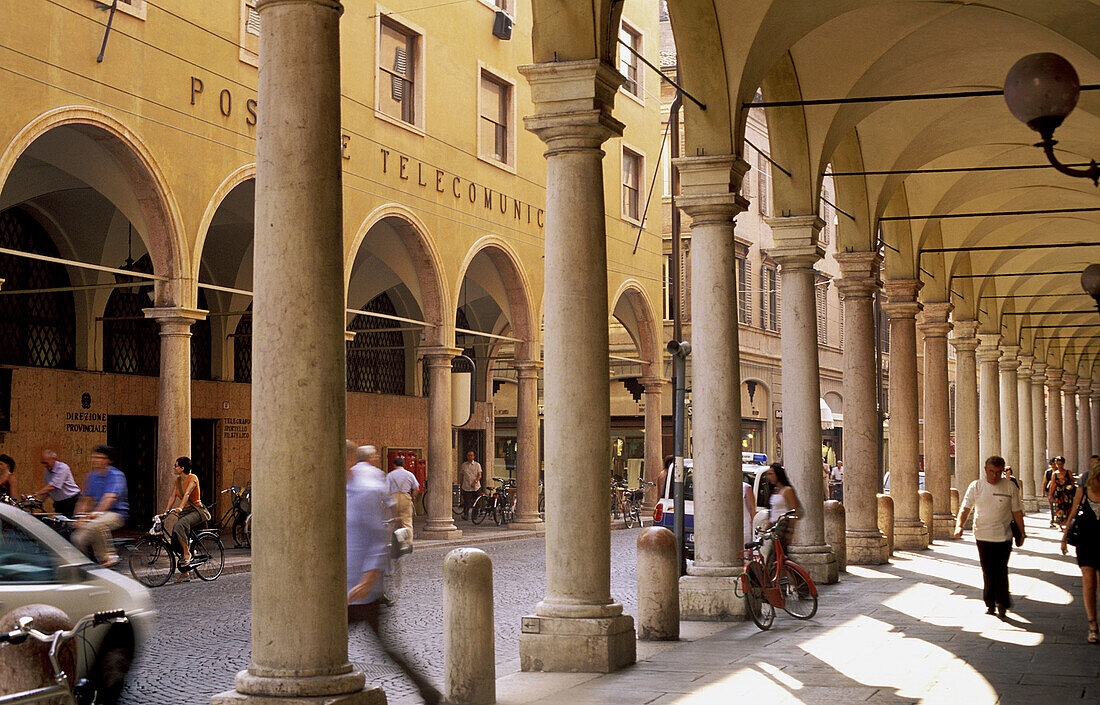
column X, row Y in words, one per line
column 403, row 488
column 469, row 477
column 996, row 503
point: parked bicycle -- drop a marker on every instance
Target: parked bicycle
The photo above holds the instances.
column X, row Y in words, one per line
column 80, row 693
column 631, row 506
column 499, row 504
column 236, row 517
column 155, row 557
column 775, row 581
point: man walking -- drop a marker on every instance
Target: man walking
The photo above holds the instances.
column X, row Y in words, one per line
column 104, row 506
column 368, row 546
column 60, row 486
column 469, row 477
column 996, row 503
column 404, row 488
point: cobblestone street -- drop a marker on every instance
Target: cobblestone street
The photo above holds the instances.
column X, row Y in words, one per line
column 202, row 629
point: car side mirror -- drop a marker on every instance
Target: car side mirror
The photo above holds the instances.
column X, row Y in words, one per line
column 71, row 574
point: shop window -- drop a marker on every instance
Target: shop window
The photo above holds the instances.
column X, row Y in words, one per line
column 376, row 357
column 242, row 348
column 131, row 342
column 495, row 125
column 629, row 64
column 39, row 329
column 632, row 185
column 398, row 72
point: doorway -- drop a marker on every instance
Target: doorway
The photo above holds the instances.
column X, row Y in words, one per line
column 134, row 439
column 204, row 459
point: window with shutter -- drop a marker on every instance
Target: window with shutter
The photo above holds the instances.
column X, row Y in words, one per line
column 632, row 184
column 821, row 290
column 495, row 124
column 397, row 70
column 762, row 183
column 841, row 324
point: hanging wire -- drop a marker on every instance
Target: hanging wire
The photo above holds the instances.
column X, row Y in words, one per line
column 652, row 183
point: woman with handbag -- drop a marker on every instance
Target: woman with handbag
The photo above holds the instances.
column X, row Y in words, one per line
column 185, row 497
column 1083, row 532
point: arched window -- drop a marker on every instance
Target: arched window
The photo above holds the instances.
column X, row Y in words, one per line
column 376, row 360
column 39, row 329
column 131, row 342
column 242, row 348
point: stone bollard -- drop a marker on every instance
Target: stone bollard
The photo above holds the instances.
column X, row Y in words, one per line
column 27, row 666
column 925, row 511
column 886, row 521
column 469, row 654
column 954, row 502
column 658, row 585
column 835, row 527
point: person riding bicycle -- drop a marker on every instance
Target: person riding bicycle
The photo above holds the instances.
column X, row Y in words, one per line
column 103, row 507
column 192, row 513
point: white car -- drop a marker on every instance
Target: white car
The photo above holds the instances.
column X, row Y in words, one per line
column 37, row 566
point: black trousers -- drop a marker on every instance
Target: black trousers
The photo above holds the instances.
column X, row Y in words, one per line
column 993, row 555
column 370, row 614
column 468, row 499
column 66, row 506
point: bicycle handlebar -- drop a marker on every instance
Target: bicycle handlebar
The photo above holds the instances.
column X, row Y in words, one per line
column 26, row 628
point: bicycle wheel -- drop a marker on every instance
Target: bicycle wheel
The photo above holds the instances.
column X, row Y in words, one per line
column 799, row 591
column 633, row 516
column 498, row 513
column 207, row 556
column 456, row 502
column 479, row 510
column 151, row 563
column 628, row 515
column 760, row 610
column 240, row 535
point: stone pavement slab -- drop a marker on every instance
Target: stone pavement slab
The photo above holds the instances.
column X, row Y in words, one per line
column 913, row 631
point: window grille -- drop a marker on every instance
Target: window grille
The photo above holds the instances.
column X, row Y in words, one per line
column 39, row 329
column 242, row 348
column 131, row 342
column 376, row 360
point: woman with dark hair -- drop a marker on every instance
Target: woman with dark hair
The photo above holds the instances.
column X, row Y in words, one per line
column 1086, row 517
column 7, row 475
column 185, row 497
column 1060, row 494
column 783, row 498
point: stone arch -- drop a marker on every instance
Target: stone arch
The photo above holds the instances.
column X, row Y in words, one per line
column 235, row 179
column 425, row 263
column 517, row 290
column 794, row 194
column 631, row 305
column 154, row 205
column 572, row 31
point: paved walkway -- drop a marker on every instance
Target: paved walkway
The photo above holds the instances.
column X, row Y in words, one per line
column 914, row 631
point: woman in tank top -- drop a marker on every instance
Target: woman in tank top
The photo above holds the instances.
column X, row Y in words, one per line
column 185, row 501
column 783, row 498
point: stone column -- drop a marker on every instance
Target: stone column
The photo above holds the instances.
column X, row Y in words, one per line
column 797, row 250
column 1010, row 410
column 437, row 497
column 527, row 447
column 1095, row 417
column 901, row 309
column 989, row 433
column 1054, row 412
column 653, row 442
column 1025, row 471
column 1069, row 420
column 709, row 196
column 937, row 417
column 1039, row 427
column 577, row 626
column 299, row 645
column 857, row 284
column 967, row 451
column 173, row 392
column 1084, row 424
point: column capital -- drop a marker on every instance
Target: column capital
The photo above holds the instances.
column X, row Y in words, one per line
column 527, row 368
column 859, row 274
column 1026, row 361
column 934, row 321
column 1054, row 378
column 796, row 241
column 438, row 355
column 1069, row 382
column 1095, row 394
column 965, row 338
column 172, row 317
column 901, row 295
column 1038, row 372
column 653, row 385
column 710, row 186
column 1008, row 361
column 573, row 102
column 988, row 347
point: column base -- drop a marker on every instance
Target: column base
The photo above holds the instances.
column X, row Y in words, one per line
column 910, row 535
column 710, row 598
column 577, row 645
column 943, row 526
column 866, row 547
column 370, row 695
column 440, row 534
column 528, row 525
column 1031, row 505
column 818, row 561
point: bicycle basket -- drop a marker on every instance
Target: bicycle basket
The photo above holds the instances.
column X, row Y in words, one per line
column 637, row 495
column 245, row 503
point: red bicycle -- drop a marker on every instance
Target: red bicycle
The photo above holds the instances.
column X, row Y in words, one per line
column 775, row 581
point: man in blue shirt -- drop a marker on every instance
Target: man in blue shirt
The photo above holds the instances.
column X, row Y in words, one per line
column 103, row 506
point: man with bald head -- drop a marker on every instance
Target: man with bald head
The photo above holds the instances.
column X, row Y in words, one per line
column 60, row 486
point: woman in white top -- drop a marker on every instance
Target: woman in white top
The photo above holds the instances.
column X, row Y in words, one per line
column 783, row 498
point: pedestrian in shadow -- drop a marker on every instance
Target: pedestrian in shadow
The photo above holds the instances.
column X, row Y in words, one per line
column 996, row 504
column 1084, row 525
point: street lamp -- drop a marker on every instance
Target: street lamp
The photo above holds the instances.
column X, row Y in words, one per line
column 1041, row 90
column 1090, row 282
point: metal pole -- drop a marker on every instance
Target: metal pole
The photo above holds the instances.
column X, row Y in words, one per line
column 678, row 349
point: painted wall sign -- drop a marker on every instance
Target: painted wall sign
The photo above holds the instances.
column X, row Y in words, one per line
column 236, row 428
column 85, row 422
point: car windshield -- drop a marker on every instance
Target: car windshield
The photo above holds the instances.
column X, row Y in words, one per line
column 23, row 559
